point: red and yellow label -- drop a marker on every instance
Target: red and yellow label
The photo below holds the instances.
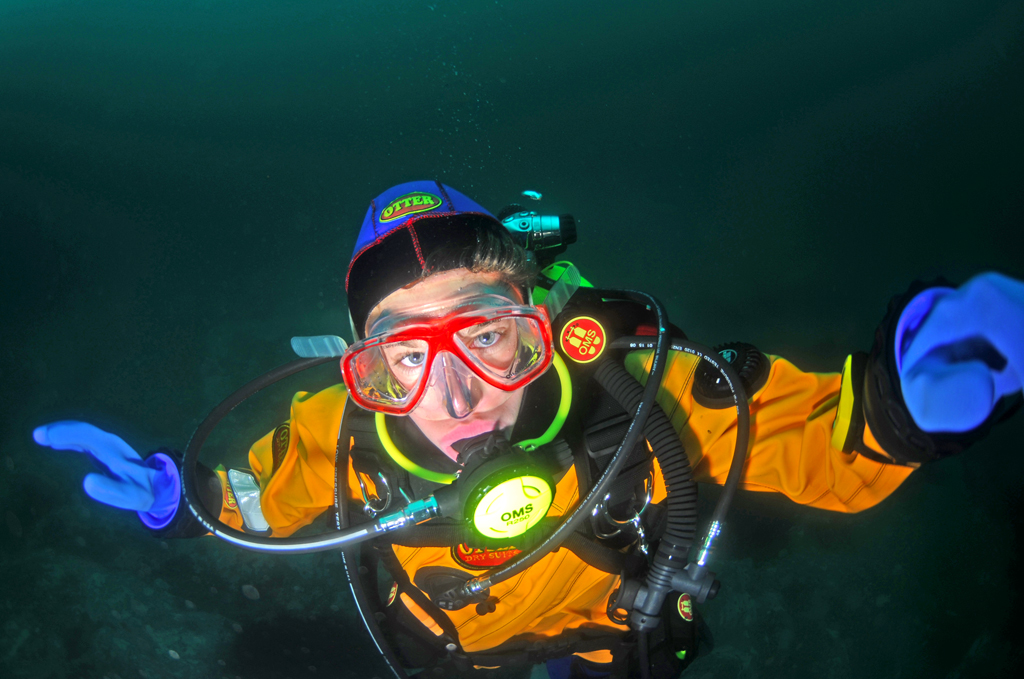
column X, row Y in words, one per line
column 229, row 496
column 685, row 607
column 481, row 559
column 583, row 339
column 394, row 593
column 409, row 204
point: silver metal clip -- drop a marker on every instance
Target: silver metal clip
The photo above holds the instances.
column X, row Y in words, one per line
column 601, row 512
column 374, row 505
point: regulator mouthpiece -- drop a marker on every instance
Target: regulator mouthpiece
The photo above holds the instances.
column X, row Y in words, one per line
column 502, row 491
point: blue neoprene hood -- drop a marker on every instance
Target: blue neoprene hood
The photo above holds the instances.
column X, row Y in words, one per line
column 402, row 227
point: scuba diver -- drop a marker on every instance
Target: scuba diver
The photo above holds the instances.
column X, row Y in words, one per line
column 518, row 450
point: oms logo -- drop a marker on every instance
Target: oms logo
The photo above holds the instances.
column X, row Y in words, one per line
column 583, row 339
column 517, row 515
column 685, row 607
column 409, row 204
column 512, row 507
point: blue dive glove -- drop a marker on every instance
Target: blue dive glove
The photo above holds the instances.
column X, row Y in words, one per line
column 959, row 351
column 152, row 487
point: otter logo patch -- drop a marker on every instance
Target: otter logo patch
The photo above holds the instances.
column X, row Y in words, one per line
column 409, row 204
column 482, row 559
column 229, row 497
column 279, row 446
column 583, row 339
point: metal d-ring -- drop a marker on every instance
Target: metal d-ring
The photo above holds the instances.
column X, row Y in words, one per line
column 374, row 505
column 635, row 520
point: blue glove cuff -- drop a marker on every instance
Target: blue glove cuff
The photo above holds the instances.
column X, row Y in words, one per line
column 166, row 492
column 911, row 319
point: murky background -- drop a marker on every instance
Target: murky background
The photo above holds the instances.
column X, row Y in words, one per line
column 180, row 188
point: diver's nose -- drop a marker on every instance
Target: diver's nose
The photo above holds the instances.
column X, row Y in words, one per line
column 455, row 381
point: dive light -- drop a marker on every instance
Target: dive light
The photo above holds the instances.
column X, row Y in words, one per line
column 545, row 235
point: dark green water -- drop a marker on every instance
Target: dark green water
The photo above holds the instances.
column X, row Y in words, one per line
column 180, row 188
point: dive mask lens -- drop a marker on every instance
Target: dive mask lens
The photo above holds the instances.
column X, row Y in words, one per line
column 507, row 348
column 387, row 376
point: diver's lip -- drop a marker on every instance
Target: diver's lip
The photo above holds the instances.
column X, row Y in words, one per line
column 467, row 430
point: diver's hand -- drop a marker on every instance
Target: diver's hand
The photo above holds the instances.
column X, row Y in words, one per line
column 959, row 351
column 151, row 487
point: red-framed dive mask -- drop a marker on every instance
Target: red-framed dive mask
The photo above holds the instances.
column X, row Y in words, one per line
column 486, row 337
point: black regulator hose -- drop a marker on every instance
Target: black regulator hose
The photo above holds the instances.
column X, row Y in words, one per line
column 671, row 569
column 241, row 538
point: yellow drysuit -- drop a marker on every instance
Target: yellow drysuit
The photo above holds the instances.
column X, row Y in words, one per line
column 791, row 420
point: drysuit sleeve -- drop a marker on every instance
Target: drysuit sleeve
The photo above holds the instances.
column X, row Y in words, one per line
column 294, row 463
column 791, row 432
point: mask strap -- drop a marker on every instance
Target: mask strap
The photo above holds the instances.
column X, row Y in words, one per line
column 560, row 293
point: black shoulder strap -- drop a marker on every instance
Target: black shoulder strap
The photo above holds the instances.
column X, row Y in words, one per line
column 394, row 568
column 363, row 443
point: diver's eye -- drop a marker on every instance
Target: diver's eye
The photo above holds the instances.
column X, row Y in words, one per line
column 487, row 339
column 413, row 360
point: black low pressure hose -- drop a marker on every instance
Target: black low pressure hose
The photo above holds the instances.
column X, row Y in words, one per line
column 477, row 586
column 739, row 457
column 261, row 543
column 202, row 432
column 681, row 504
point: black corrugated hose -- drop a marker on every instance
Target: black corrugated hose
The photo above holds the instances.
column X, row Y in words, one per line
column 675, row 466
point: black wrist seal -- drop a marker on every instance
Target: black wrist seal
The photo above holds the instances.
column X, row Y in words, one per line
column 184, row 524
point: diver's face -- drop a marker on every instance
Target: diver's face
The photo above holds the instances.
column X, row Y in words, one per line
column 491, row 408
